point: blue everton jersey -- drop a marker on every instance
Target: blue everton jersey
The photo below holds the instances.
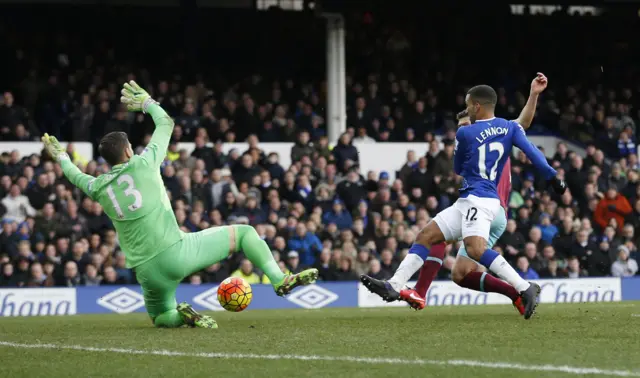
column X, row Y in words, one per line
column 482, row 149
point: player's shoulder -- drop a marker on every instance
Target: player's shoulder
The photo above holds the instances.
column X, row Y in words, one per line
column 136, row 162
column 499, row 121
column 461, row 132
column 97, row 184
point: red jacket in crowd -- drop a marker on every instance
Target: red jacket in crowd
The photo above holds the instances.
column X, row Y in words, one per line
column 617, row 208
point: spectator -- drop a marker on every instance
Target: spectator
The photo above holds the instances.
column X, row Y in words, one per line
column 362, row 262
column 511, row 241
column 536, row 263
column 626, row 146
column 613, row 205
column 344, row 271
column 302, row 147
column 525, row 270
column 17, row 205
column 306, row 244
column 352, row 190
column 338, row 216
column 548, row 230
column 71, row 276
column 422, row 178
column 41, row 193
column 49, row 223
column 91, row 277
column 387, row 265
column 345, row 154
column 574, row 270
column 624, row 266
column 110, row 277
column 124, row 274
column 246, row 272
column 293, row 262
column 363, row 137
column 325, row 267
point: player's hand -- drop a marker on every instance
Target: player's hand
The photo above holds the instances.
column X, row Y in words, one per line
column 136, row 98
column 558, row 185
column 53, row 147
column 539, row 83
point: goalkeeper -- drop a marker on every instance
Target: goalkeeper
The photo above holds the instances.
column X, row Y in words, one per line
column 134, row 197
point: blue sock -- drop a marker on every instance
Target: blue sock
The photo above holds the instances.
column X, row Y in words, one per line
column 487, row 257
column 420, row 250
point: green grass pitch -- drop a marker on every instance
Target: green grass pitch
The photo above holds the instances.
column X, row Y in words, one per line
column 464, row 341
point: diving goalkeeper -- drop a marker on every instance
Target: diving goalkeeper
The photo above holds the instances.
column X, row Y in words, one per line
column 134, row 197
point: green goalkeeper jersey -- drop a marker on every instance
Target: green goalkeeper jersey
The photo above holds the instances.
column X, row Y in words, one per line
column 134, row 197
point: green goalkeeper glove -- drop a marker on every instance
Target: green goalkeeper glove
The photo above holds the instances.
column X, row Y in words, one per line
column 53, row 147
column 136, row 98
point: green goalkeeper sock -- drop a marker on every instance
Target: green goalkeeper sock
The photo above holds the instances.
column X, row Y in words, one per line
column 258, row 252
column 169, row 319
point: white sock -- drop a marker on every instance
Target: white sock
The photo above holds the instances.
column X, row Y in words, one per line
column 408, row 267
column 501, row 267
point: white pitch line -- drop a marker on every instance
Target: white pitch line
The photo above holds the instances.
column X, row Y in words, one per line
column 362, row 360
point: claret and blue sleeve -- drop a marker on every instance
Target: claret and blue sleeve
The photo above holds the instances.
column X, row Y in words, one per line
column 521, row 141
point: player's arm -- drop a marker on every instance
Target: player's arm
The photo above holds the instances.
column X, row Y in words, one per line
column 521, row 141
column 137, row 99
column 538, row 85
column 156, row 150
column 458, row 155
column 75, row 176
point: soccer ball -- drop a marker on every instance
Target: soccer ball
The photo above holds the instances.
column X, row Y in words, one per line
column 234, row 294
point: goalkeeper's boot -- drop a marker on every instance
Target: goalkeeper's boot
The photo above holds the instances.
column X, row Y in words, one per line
column 380, row 287
column 411, row 296
column 291, row 281
column 193, row 319
column 519, row 305
column 530, row 300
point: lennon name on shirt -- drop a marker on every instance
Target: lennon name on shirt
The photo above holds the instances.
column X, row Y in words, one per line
column 491, row 131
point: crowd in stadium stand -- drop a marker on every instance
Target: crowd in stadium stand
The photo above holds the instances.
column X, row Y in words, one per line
column 321, row 211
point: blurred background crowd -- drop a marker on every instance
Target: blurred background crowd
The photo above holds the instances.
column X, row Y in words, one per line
column 224, row 82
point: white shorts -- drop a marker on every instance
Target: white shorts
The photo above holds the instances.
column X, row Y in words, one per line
column 471, row 216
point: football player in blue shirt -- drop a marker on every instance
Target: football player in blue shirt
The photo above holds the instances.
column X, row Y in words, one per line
column 482, row 149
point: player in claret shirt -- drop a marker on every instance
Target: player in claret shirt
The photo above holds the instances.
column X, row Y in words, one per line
column 466, row 272
column 482, row 149
column 135, row 199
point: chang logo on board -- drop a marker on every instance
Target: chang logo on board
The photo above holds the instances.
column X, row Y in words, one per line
column 37, row 302
column 122, row 301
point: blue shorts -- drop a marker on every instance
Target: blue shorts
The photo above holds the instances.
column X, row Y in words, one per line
column 498, row 225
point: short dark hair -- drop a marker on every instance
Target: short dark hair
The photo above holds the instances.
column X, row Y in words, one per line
column 483, row 94
column 462, row 114
column 112, row 147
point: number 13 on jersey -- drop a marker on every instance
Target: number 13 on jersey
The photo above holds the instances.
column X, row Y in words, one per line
column 482, row 160
column 129, row 190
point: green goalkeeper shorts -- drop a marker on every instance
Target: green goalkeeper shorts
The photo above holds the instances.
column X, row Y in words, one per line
column 160, row 276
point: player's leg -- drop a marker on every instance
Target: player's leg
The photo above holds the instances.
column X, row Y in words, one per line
column 159, row 293
column 476, row 226
column 215, row 244
column 159, row 278
column 471, row 275
column 416, row 297
column 445, row 226
column 430, row 269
